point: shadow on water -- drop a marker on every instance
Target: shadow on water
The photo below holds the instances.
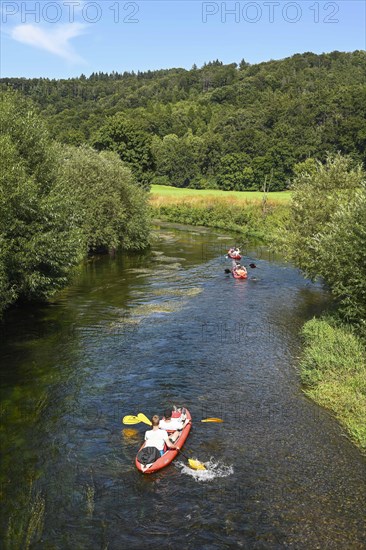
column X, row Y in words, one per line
column 134, row 333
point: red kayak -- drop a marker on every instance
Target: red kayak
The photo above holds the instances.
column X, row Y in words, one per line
column 169, row 454
column 234, row 257
column 237, row 276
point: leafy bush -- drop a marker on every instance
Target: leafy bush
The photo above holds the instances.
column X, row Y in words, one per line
column 326, row 235
column 40, row 241
column 56, row 202
column 318, row 191
column 341, row 250
column 247, row 218
column 112, row 209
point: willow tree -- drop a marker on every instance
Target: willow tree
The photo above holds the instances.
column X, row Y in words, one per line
column 341, row 251
column 112, row 210
column 318, row 191
column 40, row 243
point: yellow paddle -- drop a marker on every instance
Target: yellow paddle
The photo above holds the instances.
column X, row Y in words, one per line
column 196, row 464
column 141, row 417
column 132, row 419
column 193, row 462
column 144, row 418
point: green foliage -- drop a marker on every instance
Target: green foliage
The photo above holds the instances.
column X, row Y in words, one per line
column 176, row 158
column 236, row 173
column 56, row 203
column 326, row 233
column 132, row 144
column 276, row 114
column 247, row 219
column 318, row 190
column 40, row 241
column 341, row 249
column 333, row 369
column 112, row 209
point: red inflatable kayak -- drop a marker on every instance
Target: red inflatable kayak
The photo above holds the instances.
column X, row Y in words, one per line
column 169, row 454
column 237, row 276
column 234, row 257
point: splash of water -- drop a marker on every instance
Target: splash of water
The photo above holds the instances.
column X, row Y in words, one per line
column 213, row 470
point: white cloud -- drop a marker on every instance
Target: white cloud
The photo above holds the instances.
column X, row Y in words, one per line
column 56, row 40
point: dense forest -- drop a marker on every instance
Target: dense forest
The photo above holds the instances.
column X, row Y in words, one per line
column 219, row 126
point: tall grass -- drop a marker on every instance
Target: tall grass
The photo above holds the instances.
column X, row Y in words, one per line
column 251, row 218
column 177, row 193
column 333, row 370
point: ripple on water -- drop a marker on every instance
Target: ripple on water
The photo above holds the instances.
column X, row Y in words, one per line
column 168, row 259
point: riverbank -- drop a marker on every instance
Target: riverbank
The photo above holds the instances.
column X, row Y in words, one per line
column 333, row 371
column 250, row 214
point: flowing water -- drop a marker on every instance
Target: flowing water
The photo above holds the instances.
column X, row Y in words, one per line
column 135, row 333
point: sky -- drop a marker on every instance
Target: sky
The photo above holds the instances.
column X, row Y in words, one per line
column 66, row 38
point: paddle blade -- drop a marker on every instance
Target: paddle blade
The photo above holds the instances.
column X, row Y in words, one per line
column 196, row 464
column 130, row 433
column 143, row 418
column 130, row 419
column 212, row 420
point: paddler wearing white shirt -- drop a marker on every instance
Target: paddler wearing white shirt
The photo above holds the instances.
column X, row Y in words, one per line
column 170, row 424
column 157, row 437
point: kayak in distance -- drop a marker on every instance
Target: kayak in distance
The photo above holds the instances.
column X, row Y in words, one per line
column 239, row 272
column 234, row 253
column 169, row 454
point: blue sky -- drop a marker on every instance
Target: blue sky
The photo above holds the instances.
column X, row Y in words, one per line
column 64, row 38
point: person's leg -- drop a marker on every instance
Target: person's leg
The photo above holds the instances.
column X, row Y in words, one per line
column 173, row 438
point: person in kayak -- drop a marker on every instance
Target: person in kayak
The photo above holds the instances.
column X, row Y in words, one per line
column 169, row 423
column 240, row 270
column 157, row 437
column 175, row 425
column 234, row 251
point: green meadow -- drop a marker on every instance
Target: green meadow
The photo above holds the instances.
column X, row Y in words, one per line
column 170, row 194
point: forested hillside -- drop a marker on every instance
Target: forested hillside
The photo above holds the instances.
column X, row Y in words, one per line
column 224, row 126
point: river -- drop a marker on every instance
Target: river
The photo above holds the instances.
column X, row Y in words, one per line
column 135, row 333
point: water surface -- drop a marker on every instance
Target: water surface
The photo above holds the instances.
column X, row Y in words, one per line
column 135, row 333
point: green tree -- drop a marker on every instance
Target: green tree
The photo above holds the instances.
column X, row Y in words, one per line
column 318, row 191
column 113, row 209
column 209, row 154
column 341, row 251
column 236, row 173
column 40, row 241
column 132, row 144
column 176, row 158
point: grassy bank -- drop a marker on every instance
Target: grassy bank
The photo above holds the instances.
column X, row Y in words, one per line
column 244, row 212
column 333, row 370
column 166, row 193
